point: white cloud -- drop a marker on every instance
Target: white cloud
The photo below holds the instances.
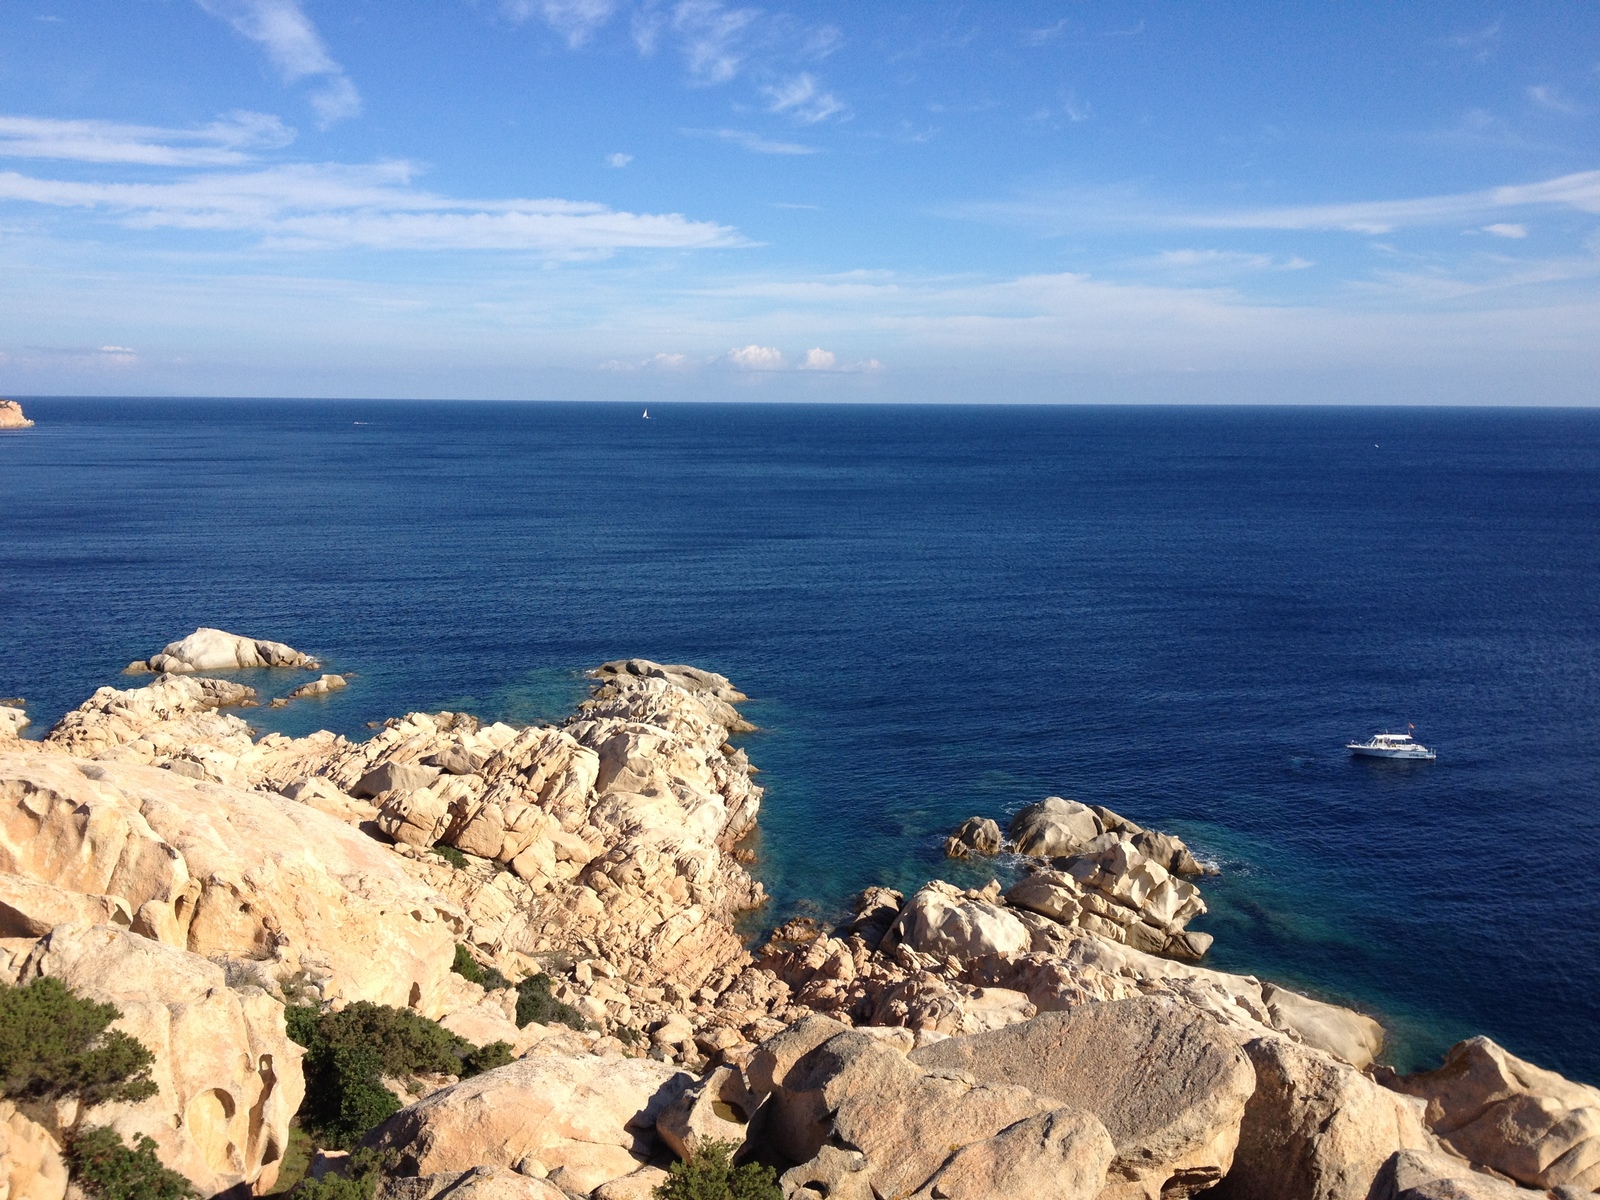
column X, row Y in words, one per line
column 757, row 358
column 801, row 99
column 1224, row 261
column 1549, row 96
column 1506, row 230
column 712, row 35
column 1580, row 191
column 618, row 160
column 667, row 362
column 225, row 142
column 575, row 20
column 818, row 359
column 752, row 142
column 116, row 350
column 373, row 207
column 295, row 48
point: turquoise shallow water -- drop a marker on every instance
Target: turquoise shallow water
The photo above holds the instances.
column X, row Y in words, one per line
column 1180, row 613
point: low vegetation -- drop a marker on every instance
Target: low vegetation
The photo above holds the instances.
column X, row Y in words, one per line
column 359, row 1181
column 451, row 855
column 54, row 1045
column 106, row 1169
column 473, row 972
column 711, row 1175
column 351, row 1052
column 535, row 1003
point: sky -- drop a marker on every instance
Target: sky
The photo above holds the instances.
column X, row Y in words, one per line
column 1066, row 202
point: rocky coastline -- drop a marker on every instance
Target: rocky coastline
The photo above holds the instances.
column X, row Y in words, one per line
column 1060, row 1039
column 12, row 416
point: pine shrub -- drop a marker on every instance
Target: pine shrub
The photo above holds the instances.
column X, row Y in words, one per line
column 106, row 1169
column 711, row 1175
column 451, row 855
column 54, row 1045
column 349, row 1054
column 535, row 1003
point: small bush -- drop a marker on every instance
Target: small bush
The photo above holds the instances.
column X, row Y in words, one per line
column 535, row 1003
column 474, row 972
column 451, row 855
column 350, row 1053
column 108, row 1170
column 54, row 1045
column 360, row 1180
column 711, row 1175
column 629, row 1036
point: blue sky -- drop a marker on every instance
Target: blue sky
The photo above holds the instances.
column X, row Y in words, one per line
column 636, row 199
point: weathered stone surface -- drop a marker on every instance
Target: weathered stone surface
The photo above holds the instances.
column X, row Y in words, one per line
column 975, row 835
column 170, row 715
column 1533, row 1125
column 318, row 687
column 218, row 870
column 1421, row 1175
column 394, row 777
column 30, row 909
column 31, row 1166
column 11, row 416
column 577, row 1120
column 1349, row 1036
column 228, row 1076
column 216, row 650
column 12, row 721
column 1316, row 1128
column 1061, row 1154
column 855, row 1091
column 1167, row 1082
column 833, row 1174
column 1054, row 827
column 712, row 1111
column 1053, row 894
column 941, row 919
column 479, row 1183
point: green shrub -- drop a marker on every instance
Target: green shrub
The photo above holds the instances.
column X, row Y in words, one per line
column 349, row 1054
column 54, row 1045
column 362, row 1171
column 474, row 972
column 535, row 1003
column 451, row 855
column 711, row 1175
column 108, row 1170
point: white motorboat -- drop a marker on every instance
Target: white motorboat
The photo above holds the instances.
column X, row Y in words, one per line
column 1391, row 745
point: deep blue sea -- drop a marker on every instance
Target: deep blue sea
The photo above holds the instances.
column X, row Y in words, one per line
column 1182, row 613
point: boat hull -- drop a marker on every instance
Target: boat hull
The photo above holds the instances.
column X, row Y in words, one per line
column 1414, row 755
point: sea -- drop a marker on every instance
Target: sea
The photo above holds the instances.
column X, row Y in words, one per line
column 1183, row 613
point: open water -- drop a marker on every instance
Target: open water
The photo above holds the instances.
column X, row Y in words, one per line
column 1182, row 613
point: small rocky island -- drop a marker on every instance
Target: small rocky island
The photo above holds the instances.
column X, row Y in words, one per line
column 501, row 963
column 12, row 416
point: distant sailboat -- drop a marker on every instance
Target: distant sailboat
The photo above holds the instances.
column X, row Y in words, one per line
column 647, row 414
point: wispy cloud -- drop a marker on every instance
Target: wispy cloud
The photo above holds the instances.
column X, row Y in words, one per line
column 575, row 20
column 1222, row 261
column 294, row 46
column 1549, row 96
column 803, row 99
column 713, row 38
column 618, row 160
column 1506, row 229
column 227, row 141
column 1579, row 191
column 752, row 142
column 372, row 207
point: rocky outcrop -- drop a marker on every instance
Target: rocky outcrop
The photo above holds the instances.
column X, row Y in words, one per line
column 1529, row 1124
column 942, row 920
column 172, row 717
column 1316, row 1128
column 1057, row 828
column 217, row 650
column 1168, row 1083
column 228, row 1077
column 919, row 1131
column 975, row 835
column 11, row 416
column 578, row 1122
column 31, row 1166
column 222, row 871
column 13, row 720
column 1420, row 1175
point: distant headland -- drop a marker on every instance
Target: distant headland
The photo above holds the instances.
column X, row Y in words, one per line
column 12, row 417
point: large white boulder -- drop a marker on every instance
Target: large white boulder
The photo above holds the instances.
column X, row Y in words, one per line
column 941, row 919
column 209, row 649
